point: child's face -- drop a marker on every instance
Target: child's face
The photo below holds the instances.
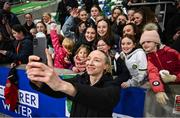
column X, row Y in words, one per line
column 40, row 28
column 94, row 12
column 150, row 41
column 82, row 53
column 82, row 27
column 102, row 28
column 116, row 13
column 149, row 46
column 128, row 29
column 90, row 34
column 138, row 18
column 127, row 45
column 83, row 15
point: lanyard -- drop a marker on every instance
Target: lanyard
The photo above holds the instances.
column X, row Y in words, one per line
column 17, row 51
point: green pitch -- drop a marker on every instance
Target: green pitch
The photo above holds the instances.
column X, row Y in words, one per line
column 28, row 7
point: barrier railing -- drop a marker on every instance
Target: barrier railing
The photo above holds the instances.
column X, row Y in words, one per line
column 33, row 103
column 133, row 102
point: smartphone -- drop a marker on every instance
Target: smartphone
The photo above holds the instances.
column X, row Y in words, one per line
column 39, row 46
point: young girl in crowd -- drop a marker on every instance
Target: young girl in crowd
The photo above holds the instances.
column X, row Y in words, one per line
column 132, row 29
column 41, row 27
column 136, row 62
column 95, row 12
column 81, row 58
column 104, row 32
column 130, row 14
column 89, row 39
column 75, row 25
column 62, row 52
column 163, row 63
column 116, row 11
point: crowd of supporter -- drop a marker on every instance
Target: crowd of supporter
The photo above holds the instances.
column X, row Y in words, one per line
column 138, row 48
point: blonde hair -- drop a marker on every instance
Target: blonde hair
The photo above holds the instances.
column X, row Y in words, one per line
column 107, row 62
column 47, row 14
column 68, row 44
column 83, row 46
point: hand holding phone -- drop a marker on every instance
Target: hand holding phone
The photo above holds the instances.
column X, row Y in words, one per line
column 39, row 46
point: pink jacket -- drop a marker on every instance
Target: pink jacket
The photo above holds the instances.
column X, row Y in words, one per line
column 166, row 59
column 60, row 52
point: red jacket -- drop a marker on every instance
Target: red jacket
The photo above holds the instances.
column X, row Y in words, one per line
column 164, row 59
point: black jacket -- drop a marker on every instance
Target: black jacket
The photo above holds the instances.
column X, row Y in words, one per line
column 6, row 45
column 25, row 50
column 123, row 73
column 90, row 101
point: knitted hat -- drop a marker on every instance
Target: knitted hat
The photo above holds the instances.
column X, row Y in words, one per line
column 150, row 36
column 150, row 33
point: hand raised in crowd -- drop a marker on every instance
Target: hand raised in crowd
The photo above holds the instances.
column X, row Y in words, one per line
column 53, row 26
column 74, row 12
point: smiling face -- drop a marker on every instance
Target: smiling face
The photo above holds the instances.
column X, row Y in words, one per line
column 116, row 13
column 150, row 40
column 101, row 45
column 90, row 34
column 149, row 46
column 17, row 35
column 127, row 45
column 128, row 29
column 130, row 14
column 122, row 19
column 40, row 27
column 83, row 53
column 46, row 18
column 138, row 18
column 102, row 28
column 83, row 15
column 28, row 18
column 96, row 63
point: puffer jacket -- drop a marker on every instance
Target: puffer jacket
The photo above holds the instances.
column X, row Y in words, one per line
column 165, row 58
